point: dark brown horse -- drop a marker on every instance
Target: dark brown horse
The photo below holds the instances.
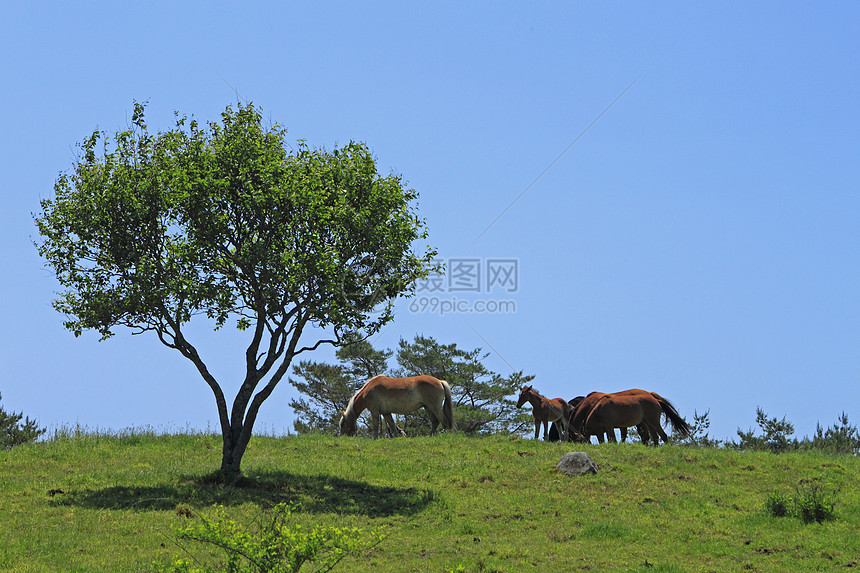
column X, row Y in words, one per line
column 585, row 406
column 545, row 410
column 384, row 396
column 636, row 409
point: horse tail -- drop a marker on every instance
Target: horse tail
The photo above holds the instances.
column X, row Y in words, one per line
column 447, row 407
column 679, row 425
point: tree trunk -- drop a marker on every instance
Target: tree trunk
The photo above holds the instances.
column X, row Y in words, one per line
column 246, row 406
column 231, row 455
column 236, row 430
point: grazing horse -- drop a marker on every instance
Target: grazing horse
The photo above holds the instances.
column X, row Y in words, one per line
column 383, row 396
column 624, row 410
column 545, row 411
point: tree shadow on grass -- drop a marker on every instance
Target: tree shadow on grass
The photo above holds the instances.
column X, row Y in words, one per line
column 314, row 494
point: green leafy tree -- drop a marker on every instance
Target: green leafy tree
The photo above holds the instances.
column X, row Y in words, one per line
column 225, row 221
column 14, row 433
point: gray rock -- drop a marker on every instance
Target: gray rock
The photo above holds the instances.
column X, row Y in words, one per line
column 576, row 463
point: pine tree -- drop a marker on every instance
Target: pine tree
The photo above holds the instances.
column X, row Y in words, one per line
column 14, row 433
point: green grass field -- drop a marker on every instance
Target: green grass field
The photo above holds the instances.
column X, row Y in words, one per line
column 447, row 503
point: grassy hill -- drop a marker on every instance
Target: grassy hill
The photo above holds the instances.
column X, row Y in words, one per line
column 447, row 503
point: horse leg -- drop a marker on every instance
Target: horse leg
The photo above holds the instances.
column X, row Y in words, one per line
column 393, row 429
column 565, row 426
column 644, row 433
column 559, row 431
column 610, row 435
column 375, row 422
column 537, row 428
column 434, row 420
column 388, row 421
column 437, row 416
column 652, row 433
column 655, row 436
column 554, row 432
column 623, row 435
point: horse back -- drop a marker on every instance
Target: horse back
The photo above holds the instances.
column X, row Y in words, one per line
column 401, row 395
column 410, row 383
column 628, row 409
column 583, row 409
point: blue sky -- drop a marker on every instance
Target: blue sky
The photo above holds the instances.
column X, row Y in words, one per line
column 699, row 239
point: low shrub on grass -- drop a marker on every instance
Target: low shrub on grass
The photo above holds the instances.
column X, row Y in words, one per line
column 777, row 504
column 274, row 547
column 812, row 502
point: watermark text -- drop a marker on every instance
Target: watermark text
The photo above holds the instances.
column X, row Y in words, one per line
column 450, row 292
column 453, row 305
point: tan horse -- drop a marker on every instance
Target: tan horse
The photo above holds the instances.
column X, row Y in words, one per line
column 637, row 409
column 383, row 396
column 545, row 410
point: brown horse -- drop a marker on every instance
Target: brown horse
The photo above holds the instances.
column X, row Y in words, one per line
column 545, row 411
column 383, row 396
column 583, row 409
column 637, row 409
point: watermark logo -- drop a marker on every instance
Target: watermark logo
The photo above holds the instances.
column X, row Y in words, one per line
column 469, row 277
column 503, row 273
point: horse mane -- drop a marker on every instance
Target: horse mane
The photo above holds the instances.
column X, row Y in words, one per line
column 349, row 412
column 350, row 416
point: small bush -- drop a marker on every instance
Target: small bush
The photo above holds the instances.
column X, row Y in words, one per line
column 276, row 547
column 811, row 502
column 777, row 504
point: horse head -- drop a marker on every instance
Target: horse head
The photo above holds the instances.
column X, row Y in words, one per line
column 524, row 395
column 346, row 425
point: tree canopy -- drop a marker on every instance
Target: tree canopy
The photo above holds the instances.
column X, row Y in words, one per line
column 226, row 220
